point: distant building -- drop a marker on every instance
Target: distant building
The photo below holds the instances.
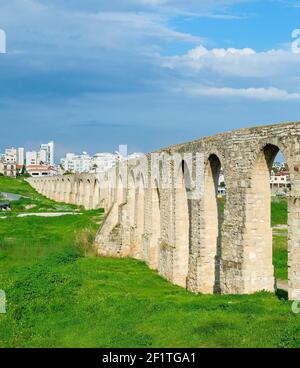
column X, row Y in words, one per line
column 102, row 162
column 221, row 191
column 280, row 182
column 41, row 170
column 47, row 153
column 21, row 156
column 44, row 156
column 8, row 169
column 221, row 178
column 10, row 155
column 31, row 158
column 77, row 163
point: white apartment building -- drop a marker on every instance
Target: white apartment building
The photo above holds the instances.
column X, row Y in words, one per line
column 10, row 155
column 31, row 158
column 280, row 182
column 45, row 155
column 103, row 161
column 14, row 155
column 77, row 163
column 42, row 157
column 21, row 156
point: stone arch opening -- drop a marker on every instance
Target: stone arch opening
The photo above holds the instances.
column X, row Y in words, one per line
column 280, row 187
column 262, row 200
column 87, row 194
column 183, row 226
column 131, row 200
column 81, row 193
column 213, row 210
column 76, row 193
column 155, row 226
column 139, row 216
column 131, row 193
column 96, row 194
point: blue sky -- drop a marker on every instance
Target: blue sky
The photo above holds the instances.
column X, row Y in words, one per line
column 93, row 74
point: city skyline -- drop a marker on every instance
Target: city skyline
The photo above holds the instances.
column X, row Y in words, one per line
column 122, row 150
column 145, row 73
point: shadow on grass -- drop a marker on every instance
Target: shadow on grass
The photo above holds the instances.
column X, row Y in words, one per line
column 282, row 294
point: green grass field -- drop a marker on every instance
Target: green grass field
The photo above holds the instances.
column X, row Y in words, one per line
column 279, row 212
column 59, row 294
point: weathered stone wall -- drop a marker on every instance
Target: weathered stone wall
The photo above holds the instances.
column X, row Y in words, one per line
column 163, row 209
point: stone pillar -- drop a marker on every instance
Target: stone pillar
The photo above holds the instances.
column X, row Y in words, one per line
column 155, row 235
column 294, row 224
column 232, row 257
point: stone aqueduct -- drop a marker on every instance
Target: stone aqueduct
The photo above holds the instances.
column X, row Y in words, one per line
column 162, row 208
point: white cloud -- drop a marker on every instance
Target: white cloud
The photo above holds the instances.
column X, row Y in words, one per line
column 262, row 94
column 235, row 62
column 201, row 51
column 271, row 75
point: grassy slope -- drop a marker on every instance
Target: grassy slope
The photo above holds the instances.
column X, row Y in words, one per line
column 59, row 296
column 17, row 186
column 38, row 202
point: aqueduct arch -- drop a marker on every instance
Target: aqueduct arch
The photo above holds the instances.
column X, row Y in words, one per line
column 259, row 269
column 176, row 229
column 211, row 229
column 96, row 194
column 155, row 239
column 182, row 230
column 139, row 217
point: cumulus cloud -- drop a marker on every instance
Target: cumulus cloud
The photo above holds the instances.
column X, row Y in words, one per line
column 271, row 75
column 244, row 62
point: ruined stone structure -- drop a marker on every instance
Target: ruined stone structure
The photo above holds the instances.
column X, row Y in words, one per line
column 163, row 209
